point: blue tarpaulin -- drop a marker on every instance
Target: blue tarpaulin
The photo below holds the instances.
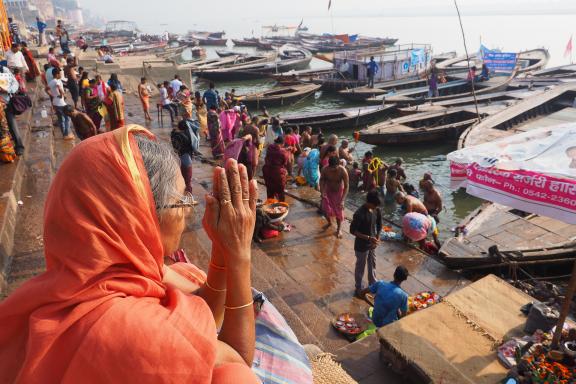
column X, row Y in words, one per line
column 418, row 57
column 500, row 61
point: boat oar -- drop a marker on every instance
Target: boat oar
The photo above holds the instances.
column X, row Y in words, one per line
column 311, row 93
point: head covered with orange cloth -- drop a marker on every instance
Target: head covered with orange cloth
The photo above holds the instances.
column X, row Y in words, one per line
column 101, row 313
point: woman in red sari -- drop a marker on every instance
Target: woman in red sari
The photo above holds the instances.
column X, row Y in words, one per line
column 275, row 171
column 33, row 71
column 107, row 310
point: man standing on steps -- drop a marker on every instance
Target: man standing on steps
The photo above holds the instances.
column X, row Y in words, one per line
column 41, row 28
column 366, row 226
column 59, row 103
column 334, row 188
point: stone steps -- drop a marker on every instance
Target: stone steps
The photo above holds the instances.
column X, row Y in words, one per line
column 28, row 260
column 11, row 185
column 361, row 360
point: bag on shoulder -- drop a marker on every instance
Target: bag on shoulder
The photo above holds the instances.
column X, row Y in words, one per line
column 19, row 103
column 7, row 152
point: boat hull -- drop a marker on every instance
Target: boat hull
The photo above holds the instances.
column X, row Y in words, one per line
column 255, row 73
column 259, row 101
column 335, row 121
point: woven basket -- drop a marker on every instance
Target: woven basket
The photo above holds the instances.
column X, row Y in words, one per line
column 326, row 371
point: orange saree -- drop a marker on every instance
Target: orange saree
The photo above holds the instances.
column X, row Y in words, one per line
column 100, row 313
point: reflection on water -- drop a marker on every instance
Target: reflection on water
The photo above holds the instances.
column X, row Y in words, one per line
column 417, row 159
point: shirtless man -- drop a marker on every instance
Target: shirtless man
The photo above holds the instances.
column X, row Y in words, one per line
column 334, row 188
column 306, row 138
column 432, row 199
column 345, row 153
column 381, row 172
column 410, row 203
column 332, row 142
column 400, row 174
column 393, row 185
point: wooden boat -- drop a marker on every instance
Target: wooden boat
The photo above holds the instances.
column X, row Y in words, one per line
column 232, row 62
column 265, row 45
column 425, row 127
column 544, row 102
column 349, row 118
column 226, row 53
column 497, row 235
column 298, row 77
column 280, row 96
column 245, row 42
column 210, row 41
column 509, row 97
column 453, row 89
column 363, row 93
column 209, row 38
column 256, row 71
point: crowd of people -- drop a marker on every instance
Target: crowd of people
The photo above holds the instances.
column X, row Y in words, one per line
column 304, row 157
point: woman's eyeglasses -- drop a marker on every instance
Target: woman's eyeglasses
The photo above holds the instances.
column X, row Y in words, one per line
column 186, row 201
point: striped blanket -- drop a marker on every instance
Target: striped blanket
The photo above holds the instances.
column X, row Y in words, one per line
column 279, row 357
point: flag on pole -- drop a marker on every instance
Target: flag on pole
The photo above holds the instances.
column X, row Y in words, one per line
column 329, row 4
column 568, row 51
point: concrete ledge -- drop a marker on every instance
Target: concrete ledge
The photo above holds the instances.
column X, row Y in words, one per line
column 11, row 177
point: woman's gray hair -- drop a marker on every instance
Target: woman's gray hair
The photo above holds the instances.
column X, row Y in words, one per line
column 162, row 167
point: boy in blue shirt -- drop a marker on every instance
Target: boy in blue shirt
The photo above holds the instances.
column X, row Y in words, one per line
column 390, row 302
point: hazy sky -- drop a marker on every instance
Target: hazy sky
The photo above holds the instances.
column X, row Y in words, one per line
column 147, row 12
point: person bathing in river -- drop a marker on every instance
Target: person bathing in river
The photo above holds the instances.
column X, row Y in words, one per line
column 426, row 177
column 333, row 189
column 330, row 152
column 344, row 152
column 393, row 185
column 306, row 138
column 368, row 156
column 410, row 203
column 368, row 179
column 432, row 200
column 355, row 176
column 400, row 174
column 332, row 142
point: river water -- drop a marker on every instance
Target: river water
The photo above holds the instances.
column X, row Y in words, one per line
column 510, row 33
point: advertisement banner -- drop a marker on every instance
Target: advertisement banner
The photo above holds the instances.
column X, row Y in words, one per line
column 528, row 191
column 500, row 62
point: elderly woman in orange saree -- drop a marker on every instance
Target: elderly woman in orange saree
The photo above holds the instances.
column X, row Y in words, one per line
column 107, row 309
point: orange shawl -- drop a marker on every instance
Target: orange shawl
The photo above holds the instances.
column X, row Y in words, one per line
column 100, row 312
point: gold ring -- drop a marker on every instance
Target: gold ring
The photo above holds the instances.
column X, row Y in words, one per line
column 223, row 202
column 246, row 199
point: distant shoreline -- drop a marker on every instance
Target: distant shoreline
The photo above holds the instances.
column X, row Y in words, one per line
column 464, row 14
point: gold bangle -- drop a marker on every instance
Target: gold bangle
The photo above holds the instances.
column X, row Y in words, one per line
column 240, row 306
column 218, row 267
column 214, row 289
